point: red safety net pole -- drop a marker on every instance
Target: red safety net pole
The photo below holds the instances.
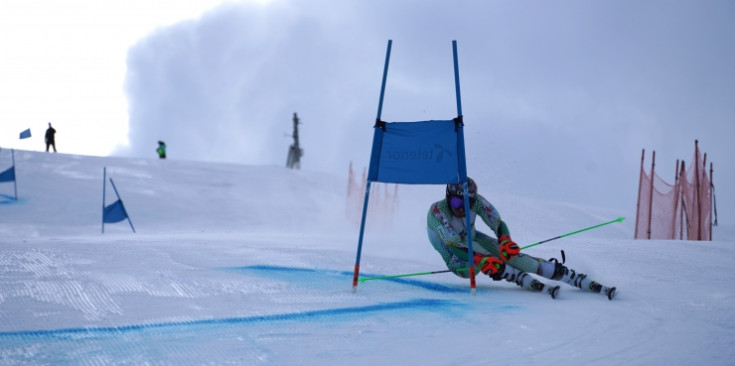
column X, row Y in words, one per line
column 650, row 199
column 712, row 195
column 683, row 215
column 697, row 196
column 677, row 190
column 640, row 188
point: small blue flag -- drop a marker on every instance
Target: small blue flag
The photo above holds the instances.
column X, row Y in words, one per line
column 8, row 175
column 25, row 134
column 115, row 212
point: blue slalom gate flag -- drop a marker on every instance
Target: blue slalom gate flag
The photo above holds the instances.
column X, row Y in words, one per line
column 115, row 212
column 8, row 175
column 423, row 152
column 25, row 134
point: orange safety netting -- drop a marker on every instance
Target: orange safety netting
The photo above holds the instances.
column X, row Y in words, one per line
column 682, row 210
column 382, row 202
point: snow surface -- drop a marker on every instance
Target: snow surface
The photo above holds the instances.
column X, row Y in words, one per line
column 252, row 265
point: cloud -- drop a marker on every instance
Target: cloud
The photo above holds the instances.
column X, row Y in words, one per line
column 554, row 93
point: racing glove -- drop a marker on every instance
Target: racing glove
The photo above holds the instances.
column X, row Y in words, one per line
column 508, row 248
column 489, row 265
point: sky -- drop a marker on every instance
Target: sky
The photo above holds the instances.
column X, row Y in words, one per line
column 572, row 91
column 64, row 63
column 234, row 264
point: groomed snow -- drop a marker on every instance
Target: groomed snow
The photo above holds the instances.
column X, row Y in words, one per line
column 252, row 265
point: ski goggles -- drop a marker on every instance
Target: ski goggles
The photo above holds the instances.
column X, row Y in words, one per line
column 458, row 202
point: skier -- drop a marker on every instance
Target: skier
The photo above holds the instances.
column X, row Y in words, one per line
column 498, row 258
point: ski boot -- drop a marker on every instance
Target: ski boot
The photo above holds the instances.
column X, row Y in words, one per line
column 523, row 280
column 600, row 289
column 537, row 285
column 579, row 280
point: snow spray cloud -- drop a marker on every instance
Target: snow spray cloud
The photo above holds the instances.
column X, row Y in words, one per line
column 548, row 91
column 224, row 87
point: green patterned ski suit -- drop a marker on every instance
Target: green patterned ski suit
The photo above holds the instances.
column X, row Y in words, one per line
column 448, row 235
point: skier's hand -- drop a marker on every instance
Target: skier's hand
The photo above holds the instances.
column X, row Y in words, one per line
column 508, row 248
column 490, row 266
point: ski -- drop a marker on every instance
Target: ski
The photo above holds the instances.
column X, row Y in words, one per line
column 596, row 287
column 553, row 291
column 609, row 292
column 539, row 286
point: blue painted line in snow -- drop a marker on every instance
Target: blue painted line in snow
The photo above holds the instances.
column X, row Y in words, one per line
column 9, row 200
column 85, row 333
column 431, row 286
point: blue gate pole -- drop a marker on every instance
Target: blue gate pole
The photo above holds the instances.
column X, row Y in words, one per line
column 356, row 274
column 15, row 175
column 463, row 168
column 385, row 76
column 456, row 79
column 120, row 199
column 104, row 178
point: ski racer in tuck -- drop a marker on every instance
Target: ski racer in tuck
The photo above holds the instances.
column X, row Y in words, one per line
column 499, row 258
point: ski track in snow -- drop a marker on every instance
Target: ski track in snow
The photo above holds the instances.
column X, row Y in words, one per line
column 107, row 343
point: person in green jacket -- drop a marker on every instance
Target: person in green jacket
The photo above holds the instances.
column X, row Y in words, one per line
column 500, row 257
column 161, row 150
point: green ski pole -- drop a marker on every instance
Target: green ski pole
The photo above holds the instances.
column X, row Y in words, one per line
column 407, row 275
column 619, row 219
column 421, row 273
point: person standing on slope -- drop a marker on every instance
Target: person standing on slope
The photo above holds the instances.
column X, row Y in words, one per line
column 498, row 258
column 161, row 150
column 50, row 137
